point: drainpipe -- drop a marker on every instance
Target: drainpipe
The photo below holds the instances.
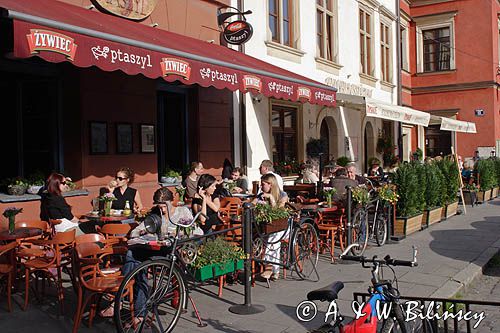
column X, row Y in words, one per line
column 398, row 76
column 242, row 109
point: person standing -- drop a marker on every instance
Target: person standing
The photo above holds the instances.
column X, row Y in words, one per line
column 266, row 167
column 123, row 192
column 191, row 181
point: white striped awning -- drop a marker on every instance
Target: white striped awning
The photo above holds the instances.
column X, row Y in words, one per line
column 393, row 112
column 448, row 124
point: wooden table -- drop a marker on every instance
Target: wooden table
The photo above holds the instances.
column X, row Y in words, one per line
column 20, row 233
column 112, row 218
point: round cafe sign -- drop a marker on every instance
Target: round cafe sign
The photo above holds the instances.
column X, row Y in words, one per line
column 130, row 9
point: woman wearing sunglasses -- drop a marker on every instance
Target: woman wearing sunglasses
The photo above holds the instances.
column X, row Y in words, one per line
column 122, row 192
column 53, row 206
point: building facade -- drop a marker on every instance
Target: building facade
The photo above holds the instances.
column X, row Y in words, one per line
column 451, row 69
column 347, row 44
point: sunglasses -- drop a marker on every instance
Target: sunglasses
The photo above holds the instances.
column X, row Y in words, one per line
column 121, row 178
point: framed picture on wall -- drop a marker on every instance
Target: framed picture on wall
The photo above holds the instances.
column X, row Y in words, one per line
column 98, row 137
column 147, row 138
column 124, row 141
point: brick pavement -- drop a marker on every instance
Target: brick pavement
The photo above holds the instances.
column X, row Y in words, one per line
column 451, row 254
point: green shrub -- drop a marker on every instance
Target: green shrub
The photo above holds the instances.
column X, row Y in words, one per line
column 497, row 170
column 405, row 179
column 449, row 170
column 434, row 180
column 487, row 173
column 343, row 161
column 316, row 146
column 421, row 190
column 217, row 251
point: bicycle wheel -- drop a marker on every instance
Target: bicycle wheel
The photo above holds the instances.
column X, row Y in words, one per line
column 360, row 231
column 381, row 229
column 399, row 325
column 155, row 307
column 305, row 251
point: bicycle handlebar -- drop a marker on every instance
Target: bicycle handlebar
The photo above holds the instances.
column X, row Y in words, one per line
column 386, row 261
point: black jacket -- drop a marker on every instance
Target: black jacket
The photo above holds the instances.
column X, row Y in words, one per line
column 54, row 207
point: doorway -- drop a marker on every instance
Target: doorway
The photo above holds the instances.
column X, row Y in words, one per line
column 173, row 130
column 437, row 142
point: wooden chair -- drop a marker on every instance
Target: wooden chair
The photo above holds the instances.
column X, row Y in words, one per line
column 331, row 227
column 107, row 269
column 57, row 255
column 232, row 207
column 117, row 235
column 8, row 268
column 26, row 248
column 86, row 260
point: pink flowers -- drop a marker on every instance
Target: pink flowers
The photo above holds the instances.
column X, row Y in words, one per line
column 106, row 197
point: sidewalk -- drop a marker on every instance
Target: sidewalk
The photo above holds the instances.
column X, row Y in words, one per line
column 450, row 255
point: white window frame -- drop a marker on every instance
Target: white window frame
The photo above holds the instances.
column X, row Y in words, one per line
column 369, row 11
column 387, row 44
column 405, row 47
column 295, row 28
column 435, row 22
column 334, row 33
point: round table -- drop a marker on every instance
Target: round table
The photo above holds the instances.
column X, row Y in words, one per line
column 20, row 233
column 112, row 218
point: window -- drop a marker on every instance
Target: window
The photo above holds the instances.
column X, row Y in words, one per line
column 284, row 128
column 436, row 49
column 404, row 48
column 385, row 52
column 326, row 27
column 498, row 23
column 365, row 41
column 281, row 22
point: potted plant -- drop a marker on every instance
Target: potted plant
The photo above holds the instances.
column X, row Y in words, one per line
column 171, row 176
column 343, row 161
column 409, row 216
column 360, row 196
column 181, row 190
column 108, row 199
column 450, row 187
column 216, row 258
column 496, row 189
column 485, row 170
column 271, row 219
column 36, row 182
column 10, row 213
column 328, row 193
column 433, row 199
column 470, row 194
column 17, row 186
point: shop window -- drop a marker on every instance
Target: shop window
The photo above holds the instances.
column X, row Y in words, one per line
column 282, row 14
column 385, row 52
column 284, row 133
column 366, row 41
column 326, row 29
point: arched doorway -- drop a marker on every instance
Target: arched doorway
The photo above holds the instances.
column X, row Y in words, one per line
column 369, row 142
column 328, row 130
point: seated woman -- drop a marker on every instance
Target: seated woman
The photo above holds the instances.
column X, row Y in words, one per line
column 205, row 201
column 53, row 206
column 165, row 205
column 272, row 195
column 122, row 192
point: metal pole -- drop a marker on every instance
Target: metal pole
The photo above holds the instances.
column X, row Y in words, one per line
column 349, row 215
column 247, row 308
column 319, row 187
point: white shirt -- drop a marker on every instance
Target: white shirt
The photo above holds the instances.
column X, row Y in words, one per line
column 278, row 179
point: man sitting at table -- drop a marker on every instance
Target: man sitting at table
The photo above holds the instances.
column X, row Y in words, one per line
column 240, row 179
column 352, row 174
column 340, row 182
column 267, row 167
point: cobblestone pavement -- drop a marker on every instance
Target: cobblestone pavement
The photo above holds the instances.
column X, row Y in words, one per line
column 487, row 288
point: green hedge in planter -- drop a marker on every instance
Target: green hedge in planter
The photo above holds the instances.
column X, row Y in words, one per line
column 497, row 170
column 217, row 252
column 449, row 170
column 487, row 173
column 434, row 186
column 407, row 183
column 420, row 171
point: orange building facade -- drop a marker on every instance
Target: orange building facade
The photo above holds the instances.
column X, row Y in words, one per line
column 450, row 61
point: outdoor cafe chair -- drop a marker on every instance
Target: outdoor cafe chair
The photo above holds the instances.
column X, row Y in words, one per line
column 331, row 226
column 26, row 249
column 91, row 284
column 107, row 269
column 7, row 268
column 56, row 255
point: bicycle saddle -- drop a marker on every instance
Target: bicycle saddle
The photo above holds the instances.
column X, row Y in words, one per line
column 328, row 293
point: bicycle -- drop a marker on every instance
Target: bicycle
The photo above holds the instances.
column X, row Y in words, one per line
column 370, row 222
column 381, row 291
column 302, row 251
column 162, row 280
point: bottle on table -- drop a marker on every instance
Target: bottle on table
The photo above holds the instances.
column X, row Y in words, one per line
column 127, row 211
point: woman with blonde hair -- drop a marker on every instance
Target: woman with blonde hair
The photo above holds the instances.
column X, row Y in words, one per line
column 272, row 195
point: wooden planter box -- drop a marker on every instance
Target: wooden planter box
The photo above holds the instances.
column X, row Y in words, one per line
column 404, row 226
column 275, row 226
column 470, row 198
column 483, row 196
column 449, row 210
column 494, row 192
column 431, row 216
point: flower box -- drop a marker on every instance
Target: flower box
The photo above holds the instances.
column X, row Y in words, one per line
column 431, row 216
column 404, row 226
column 449, row 210
column 239, row 264
column 224, row 268
column 483, row 196
column 204, row 273
column 470, row 197
column 494, row 192
column 274, row 226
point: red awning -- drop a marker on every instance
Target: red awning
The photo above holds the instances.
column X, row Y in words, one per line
column 57, row 32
